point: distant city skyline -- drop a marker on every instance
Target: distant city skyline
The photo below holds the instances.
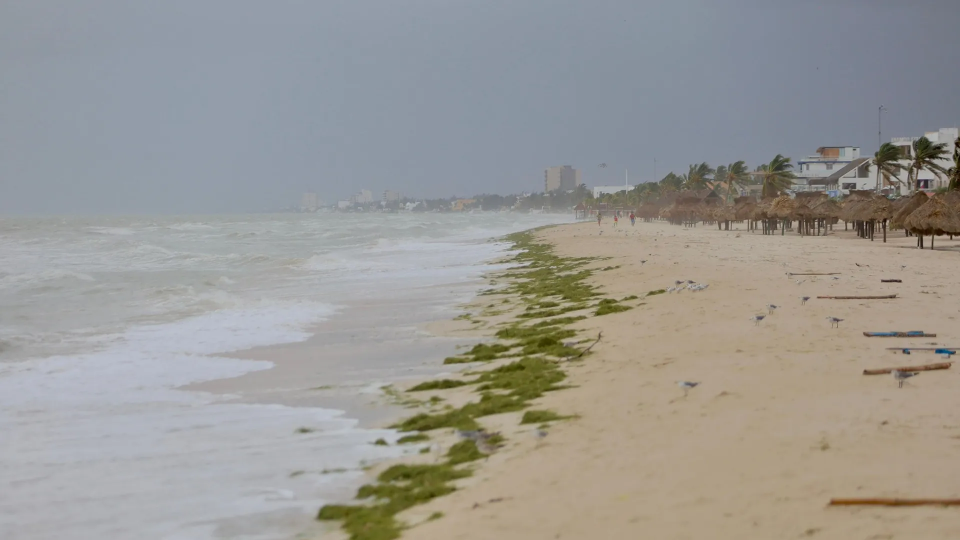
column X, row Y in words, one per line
column 217, row 106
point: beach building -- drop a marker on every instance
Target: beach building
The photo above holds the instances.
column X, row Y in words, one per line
column 836, row 169
column 926, row 180
column 600, row 190
column 309, row 202
column 390, row 196
column 564, row 178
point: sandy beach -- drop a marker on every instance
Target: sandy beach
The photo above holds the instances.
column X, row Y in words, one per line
column 783, row 420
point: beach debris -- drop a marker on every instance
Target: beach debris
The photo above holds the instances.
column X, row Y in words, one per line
column 814, row 273
column 834, row 322
column 894, row 502
column 643, row 262
column 686, row 386
column 902, row 376
column 472, row 435
column 757, row 318
column 585, row 351
column 800, row 281
column 908, row 369
column 803, row 300
column 862, row 265
column 771, row 308
column 891, row 281
column 903, row 267
column 909, row 334
column 884, row 297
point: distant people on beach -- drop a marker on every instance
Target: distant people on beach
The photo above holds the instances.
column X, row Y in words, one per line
column 633, row 219
column 615, row 219
column 599, row 218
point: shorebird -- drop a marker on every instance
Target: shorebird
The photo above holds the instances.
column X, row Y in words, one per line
column 803, row 300
column 687, row 386
column 835, row 277
column 834, row 322
column 902, row 376
column 758, row 318
column 678, row 283
column 540, row 435
column 799, row 281
column 690, row 282
column 771, row 308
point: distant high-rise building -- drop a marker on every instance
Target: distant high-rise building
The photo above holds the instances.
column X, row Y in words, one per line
column 364, row 197
column 390, row 196
column 309, row 202
column 564, row 178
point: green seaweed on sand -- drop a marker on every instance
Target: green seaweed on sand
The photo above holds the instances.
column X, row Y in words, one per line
column 441, row 384
column 607, row 309
column 381, row 442
column 539, row 417
column 631, row 297
column 656, row 292
column 464, row 452
column 408, row 439
column 482, row 352
column 435, row 516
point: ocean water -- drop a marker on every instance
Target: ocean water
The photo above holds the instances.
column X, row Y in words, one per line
column 102, row 319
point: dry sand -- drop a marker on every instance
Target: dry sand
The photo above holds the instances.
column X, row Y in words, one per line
column 783, row 420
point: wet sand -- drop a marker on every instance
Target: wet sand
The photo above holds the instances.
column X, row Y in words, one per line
column 783, row 419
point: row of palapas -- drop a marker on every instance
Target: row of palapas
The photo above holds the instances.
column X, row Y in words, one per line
column 814, row 213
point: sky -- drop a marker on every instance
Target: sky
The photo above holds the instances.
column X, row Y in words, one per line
column 220, row 106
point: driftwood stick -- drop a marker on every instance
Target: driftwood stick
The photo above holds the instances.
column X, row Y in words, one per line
column 891, row 281
column 885, row 297
column 585, row 351
column 814, row 274
column 923, row 348
column 926, row 367
column 894, row 502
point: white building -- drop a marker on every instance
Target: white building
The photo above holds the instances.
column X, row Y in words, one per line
column 343, row 205
column 390, row 196
column 926, row 180
column 833, row 169
column 365, row 196
column 600, row 190
column 309, row 202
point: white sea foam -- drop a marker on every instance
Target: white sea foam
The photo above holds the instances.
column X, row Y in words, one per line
column 103, row 319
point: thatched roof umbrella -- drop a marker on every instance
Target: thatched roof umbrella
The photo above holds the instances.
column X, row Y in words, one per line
column 851, row 205
column 783, row 207
column 744, row 209
column 826, row 209
column 939, row 215
column 871, row 211
column 906, row 207
column 648, row 210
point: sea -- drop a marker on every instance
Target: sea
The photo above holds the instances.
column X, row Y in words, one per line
column 104, row 320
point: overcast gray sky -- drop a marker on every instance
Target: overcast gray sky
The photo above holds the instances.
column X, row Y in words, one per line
column 122, row 106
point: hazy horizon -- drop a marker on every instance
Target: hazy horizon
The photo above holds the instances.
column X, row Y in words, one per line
column 182, row 107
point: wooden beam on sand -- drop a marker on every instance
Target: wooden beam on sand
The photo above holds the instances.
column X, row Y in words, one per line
column 815, row 274
column 891, row 281
column 899, row 334
column 894, row 502
column 884, row 297
column 926, row 367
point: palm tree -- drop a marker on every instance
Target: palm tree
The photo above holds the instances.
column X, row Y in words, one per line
column 885, row 160
column 954, row 172
column 671, row 182
column 925, row 156
column 698, row 176
column 736, row 175
column 776, row 176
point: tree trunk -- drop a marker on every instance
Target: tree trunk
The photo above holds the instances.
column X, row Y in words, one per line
column 884, row 231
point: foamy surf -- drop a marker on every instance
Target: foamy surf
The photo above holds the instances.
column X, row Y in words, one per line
column 104, row 443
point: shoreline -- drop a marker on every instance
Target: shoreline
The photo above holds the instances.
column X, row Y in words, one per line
column 782, row 421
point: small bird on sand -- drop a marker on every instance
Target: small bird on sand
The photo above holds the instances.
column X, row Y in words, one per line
column 902, row 376
column 771, row 308
column 540, row 435
column 678, row 283
column 835, row 277
column 687, row 386
column 834, row 322
column 758, row 318
column 803, row 300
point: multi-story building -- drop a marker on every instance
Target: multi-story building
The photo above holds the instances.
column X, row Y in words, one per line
column 309, row 202
column 390, row 196
column 926, row 180
column 564, row 178
column 365, row 196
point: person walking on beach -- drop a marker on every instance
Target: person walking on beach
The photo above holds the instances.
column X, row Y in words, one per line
column 633, row 219
column 599, row 217
column 615, row 219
